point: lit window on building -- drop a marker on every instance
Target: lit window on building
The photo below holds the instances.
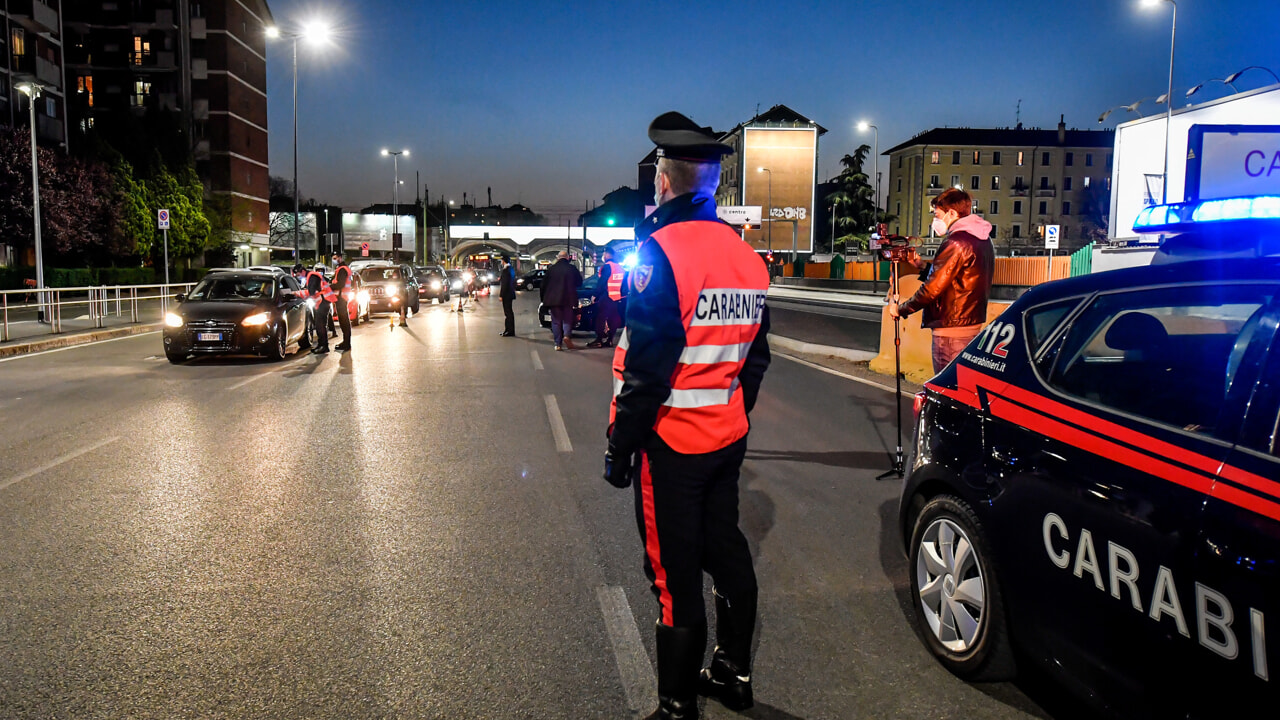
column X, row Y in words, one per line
column 935, row 157
column 84, row 86
column 141, row 91
column 977, row 157
column 1086, row 182
column 955, row 181
column 995, row 182
column 1020, row 162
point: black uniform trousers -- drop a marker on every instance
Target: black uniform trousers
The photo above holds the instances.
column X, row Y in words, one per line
column 509, row 315
column 608, row 319
column 344, row 319
column 319, row 322
column 687, row 513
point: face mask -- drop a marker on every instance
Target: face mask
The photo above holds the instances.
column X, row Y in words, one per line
column 939, row 227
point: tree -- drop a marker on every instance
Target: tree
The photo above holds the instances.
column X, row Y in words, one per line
column 854, row 204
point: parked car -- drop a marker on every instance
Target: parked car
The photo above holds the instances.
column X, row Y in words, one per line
column 432, row 283
column 390, row 287
column 584, row 316
column 1095, row 489
column 244, row 312
column 531, row 279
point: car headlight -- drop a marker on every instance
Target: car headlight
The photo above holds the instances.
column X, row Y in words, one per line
column 362, row 297
column 173, row 320
column 261, row 318
column 457, row 284
column 468, row 277
column 435, row 285
column 393, row 291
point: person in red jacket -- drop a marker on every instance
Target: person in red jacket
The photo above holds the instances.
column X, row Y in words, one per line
column 343, row 291
column 686, row 372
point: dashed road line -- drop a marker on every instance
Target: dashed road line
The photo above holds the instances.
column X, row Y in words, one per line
column 537, row 361
column 56, row 462
column 557, row 425
column 633, row 662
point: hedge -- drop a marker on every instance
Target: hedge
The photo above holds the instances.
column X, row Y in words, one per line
column 12, row 278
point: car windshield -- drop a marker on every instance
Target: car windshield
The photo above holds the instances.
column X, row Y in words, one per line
column 374, row 274
column 233, row 288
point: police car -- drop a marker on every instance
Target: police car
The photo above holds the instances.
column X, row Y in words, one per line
column 1094, row 486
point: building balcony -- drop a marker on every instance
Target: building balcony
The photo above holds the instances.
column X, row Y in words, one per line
column 48, row 73
column 44, row 16
column 200, row 109
column 199, row 28
column 935, row 190
column 49, row 128
column 1046, row 192
column 199, row 69
column 1018, row 192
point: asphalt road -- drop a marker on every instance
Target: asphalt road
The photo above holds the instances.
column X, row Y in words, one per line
column 418, row 529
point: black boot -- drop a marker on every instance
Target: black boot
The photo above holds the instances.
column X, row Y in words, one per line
column 728, row 678
column 679, row 655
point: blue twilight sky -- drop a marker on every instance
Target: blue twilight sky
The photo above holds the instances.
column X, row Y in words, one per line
column 548, row 103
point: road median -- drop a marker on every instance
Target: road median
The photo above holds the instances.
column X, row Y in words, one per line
column 53, row 342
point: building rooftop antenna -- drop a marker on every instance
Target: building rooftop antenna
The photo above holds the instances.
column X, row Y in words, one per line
column 1019, row 112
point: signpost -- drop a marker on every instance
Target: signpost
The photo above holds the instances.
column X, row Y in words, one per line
column 1051, row 234
column 364, row 249
column 163, row 219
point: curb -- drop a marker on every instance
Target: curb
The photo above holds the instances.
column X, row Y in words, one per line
column 83, row 338
column 798, row 346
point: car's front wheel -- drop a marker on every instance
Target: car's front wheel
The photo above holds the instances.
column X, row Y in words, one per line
column 956, row 592
column 174, row 358
column 278, row 347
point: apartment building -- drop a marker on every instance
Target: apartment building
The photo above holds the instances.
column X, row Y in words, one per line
column 34, row 53
column 203, row 64
column 1021, row 179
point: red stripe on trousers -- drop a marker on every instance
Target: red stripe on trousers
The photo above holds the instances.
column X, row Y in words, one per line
column 651, row 547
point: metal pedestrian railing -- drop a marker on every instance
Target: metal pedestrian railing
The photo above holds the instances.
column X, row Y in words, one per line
column 50, row 311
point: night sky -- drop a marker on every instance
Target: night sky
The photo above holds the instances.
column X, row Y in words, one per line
column 548, row 103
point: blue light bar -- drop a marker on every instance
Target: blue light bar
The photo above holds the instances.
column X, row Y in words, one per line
column 1185, row 216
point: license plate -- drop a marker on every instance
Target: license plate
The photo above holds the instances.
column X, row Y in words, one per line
column 209, row 337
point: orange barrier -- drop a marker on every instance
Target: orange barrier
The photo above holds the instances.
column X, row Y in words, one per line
column 917, row 342
column 1031, row 270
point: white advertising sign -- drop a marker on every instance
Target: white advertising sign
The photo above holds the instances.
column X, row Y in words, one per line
column 1233, row 164
column 739, row 214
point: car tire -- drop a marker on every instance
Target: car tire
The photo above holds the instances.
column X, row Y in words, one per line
column 947, row 585
column 279, row 347
column 174, row 357
column 417, row 306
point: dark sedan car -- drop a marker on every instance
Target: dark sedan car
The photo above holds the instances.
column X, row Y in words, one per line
column 433, row 283
column 237, row 313
column 584, row 317
column 391, row 287
column 531, row 279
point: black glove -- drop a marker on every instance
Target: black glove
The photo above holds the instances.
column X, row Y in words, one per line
column 617, row 467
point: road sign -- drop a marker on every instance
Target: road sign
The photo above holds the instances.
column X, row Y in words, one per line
column 364, row 249
column 163, row 217
column 397, row 241
column 1051, row 236
column 739, row 214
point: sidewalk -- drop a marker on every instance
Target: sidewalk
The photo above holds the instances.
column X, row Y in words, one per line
column 43, row 343
column 842, row 298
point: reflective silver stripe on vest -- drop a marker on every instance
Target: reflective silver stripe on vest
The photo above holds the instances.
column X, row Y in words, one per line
column 624, row 342
column 696, row 398
column 712, row 354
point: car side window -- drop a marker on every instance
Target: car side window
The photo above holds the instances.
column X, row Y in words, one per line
column 1165, row 354
column 1042, row 322
column 291, row 283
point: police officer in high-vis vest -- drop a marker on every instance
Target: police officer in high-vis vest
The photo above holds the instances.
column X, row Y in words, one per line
column 609, row 295
column 686, row 372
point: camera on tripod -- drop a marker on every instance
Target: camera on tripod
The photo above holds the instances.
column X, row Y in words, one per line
column 894, row 248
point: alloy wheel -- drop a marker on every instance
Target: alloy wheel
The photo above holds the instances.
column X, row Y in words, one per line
column 952, row 587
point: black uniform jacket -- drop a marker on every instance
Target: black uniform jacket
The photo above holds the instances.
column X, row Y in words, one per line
column 507, row 283
column 656, row 334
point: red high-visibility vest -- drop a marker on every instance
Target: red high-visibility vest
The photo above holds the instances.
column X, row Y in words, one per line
column 615, row 280
column 722, row 286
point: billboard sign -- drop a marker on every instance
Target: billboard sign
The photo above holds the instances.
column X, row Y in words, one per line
column 1232, row 161
column 376, row 230
column 786, row 192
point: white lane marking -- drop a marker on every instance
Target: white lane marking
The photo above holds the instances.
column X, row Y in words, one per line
column 537, row 361
column 56, row 462
column 557, row 425
column 846, row 376
column 633, row 662
column 77, row 347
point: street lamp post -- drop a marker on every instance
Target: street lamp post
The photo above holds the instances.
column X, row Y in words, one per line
column 316, row 32
column 875, row 211
column 32, row 91
column 395, row 199
column 770, row 220
column 1168, row 108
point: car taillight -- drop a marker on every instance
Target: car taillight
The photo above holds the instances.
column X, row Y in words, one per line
column 918, row 403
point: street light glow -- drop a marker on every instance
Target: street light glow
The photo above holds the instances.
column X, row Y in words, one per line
column 385, row 152
column 273, row 31
column 29, row 89
column 316, row 32
column 760, row 169
column 864, row 126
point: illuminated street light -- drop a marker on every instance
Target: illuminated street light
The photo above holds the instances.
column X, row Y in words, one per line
column 875, row 214
column 1168, row 110
column 770, row 232
column 317, row 33
column 395, row 199
column 32, row 91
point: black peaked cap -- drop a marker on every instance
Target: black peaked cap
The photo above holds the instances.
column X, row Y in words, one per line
column 680, row 138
